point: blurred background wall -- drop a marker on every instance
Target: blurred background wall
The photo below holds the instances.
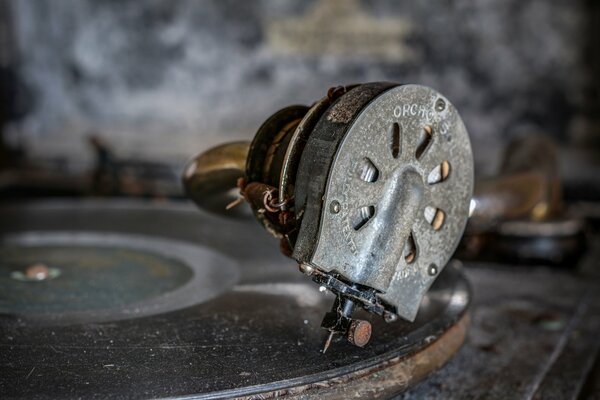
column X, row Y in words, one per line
column 161, row 80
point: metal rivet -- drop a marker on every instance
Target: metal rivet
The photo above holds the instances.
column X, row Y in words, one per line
column 440, row 105
column 306, row 269
column 335, row 207
column 433, row 270
column 36, row 273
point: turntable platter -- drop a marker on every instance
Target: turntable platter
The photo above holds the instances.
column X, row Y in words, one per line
column 164, row 301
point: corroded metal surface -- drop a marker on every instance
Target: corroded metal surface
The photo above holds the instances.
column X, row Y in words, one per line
column 401, row 216
column 313, row 171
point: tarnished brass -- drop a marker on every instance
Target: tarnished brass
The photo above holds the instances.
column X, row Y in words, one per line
column 527, row 188
column 210, row 178
column 506, row 197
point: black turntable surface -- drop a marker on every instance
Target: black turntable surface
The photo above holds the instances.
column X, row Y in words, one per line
column 136, row 300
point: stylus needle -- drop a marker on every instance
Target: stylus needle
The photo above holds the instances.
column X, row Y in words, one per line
column 328, row 341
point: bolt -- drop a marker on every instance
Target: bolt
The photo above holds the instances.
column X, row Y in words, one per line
column 335, row 207
column 440, row 105
column 37, row 272
column 433, row 270
column 359, row 332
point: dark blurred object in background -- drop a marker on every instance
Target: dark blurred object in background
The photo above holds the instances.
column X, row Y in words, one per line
column 164, row 80
column 14, row 97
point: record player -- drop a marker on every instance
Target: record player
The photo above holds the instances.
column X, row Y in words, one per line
column 368, row 191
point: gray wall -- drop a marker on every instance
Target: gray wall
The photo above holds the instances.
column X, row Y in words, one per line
column 163, row 79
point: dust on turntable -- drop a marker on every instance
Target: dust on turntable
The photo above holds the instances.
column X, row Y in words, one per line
column 208, row 308
column 532, row 330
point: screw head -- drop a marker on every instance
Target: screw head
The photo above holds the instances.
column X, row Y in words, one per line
column 433, row 270
column 37, row 272
column 306, row 269
column 335, row 207
column 440, row 105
